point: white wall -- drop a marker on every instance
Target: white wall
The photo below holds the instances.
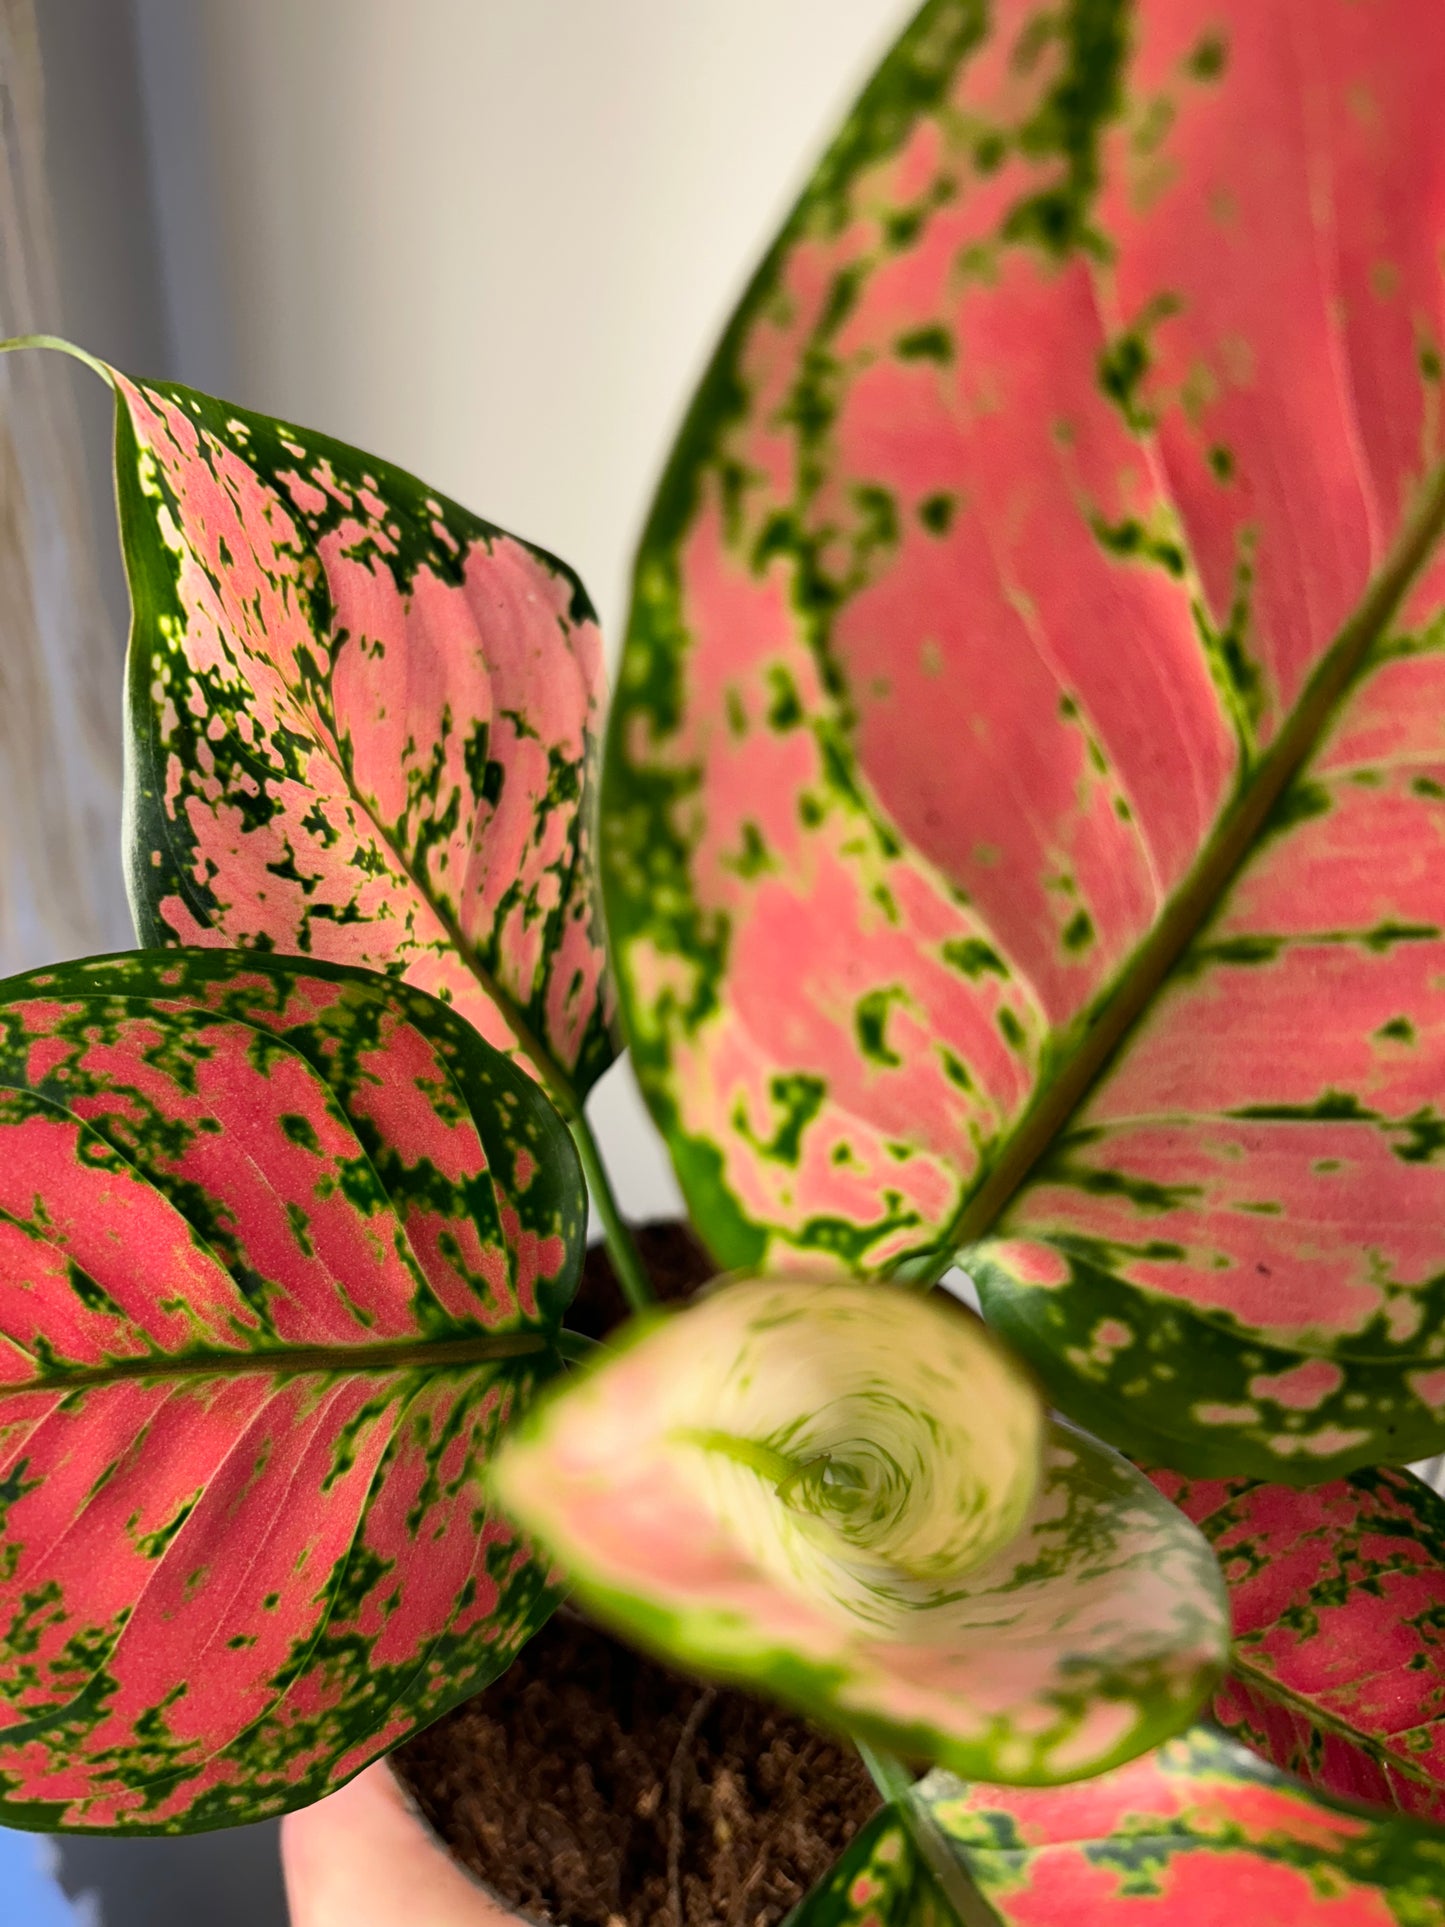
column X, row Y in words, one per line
column 493, row 240
column 110, row 295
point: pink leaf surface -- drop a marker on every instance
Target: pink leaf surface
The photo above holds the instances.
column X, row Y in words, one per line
column 1338, row 1601
column 361, row 724
column 1197, row 1834
column 282, row 1248
column 1026, row 779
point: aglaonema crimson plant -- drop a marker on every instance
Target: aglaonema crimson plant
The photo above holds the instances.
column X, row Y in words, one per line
column 1019, row 837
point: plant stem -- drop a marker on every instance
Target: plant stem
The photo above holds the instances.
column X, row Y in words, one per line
column 577, row 1347
column 924, row 1269
column 887, row 1772
column 61, row 347
column 626, row 1260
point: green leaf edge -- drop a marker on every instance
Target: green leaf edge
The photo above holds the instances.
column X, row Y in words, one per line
column 145, row 824
column 147, row 967
column 473, row 1062
column 1017, row 1312
column 899, row 85
column 1387, row 1834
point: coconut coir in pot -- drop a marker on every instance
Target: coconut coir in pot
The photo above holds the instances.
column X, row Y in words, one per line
column 593, row 1788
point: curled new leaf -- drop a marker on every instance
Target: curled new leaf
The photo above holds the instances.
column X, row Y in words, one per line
column 849, row 1496
column 1200, row 1833
column 282, row 1246
column 1337, row 1597
column 361, row 724
column 1025, row 780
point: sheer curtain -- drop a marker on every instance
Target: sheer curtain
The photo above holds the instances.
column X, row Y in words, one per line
column 60, row 880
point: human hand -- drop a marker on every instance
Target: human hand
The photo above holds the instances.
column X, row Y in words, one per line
column 362, row 1858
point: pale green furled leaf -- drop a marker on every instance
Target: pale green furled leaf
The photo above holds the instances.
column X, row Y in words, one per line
column 849, row 1496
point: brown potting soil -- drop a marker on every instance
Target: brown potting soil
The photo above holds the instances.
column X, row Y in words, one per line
column 676, row 1263
column 591, row 1787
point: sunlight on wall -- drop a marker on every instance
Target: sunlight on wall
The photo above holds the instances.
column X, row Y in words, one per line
column 491, row 240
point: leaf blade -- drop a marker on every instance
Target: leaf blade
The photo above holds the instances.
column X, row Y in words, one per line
column 290, row 1246
column 1333, row 1597
column 1187, row 1834
column 881, row 1880
column 361, row 724
column 977, row 620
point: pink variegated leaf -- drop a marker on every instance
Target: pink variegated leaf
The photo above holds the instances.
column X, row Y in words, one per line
column 1200, row 1833
column 283, row 1245
column 1338, row 1601
column 1025, row 785
column 848, row 1496
column 361, row 725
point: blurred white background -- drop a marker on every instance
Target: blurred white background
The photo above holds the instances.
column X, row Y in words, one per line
column 493, row 240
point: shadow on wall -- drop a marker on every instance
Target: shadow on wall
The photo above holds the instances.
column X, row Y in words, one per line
column 228, row 1879
column 28, row 1892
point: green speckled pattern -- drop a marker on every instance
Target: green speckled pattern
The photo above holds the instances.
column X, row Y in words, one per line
column 1199, row 1834
column 1337, row 1596
column 361, row 725
column 1025, row 779
column 881, row 1881
column 283, row 1248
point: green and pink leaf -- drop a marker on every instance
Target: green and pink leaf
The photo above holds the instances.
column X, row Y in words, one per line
column 882, row 1880
column 282, row 1248
column 1199, row 1834
column 1035, row 644
column 1338, row 1601
column 362, row 724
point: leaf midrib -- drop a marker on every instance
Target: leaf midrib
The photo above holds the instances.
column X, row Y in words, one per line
column 1059, row 1099
column 1377, row 1746
column 291, row 1361
column 554, row 1079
